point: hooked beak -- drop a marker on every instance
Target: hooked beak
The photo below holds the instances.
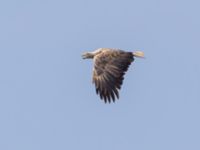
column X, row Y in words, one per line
column 84, row 56
column 88, row 55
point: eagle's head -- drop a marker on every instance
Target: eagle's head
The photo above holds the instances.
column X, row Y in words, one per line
column 90, row 55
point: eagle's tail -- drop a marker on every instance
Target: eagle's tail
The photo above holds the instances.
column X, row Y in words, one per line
column 139, row 54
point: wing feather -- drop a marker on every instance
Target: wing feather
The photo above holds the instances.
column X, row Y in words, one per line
column 108, row 73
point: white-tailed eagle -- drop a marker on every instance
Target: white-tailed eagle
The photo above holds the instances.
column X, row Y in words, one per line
column 109, row 68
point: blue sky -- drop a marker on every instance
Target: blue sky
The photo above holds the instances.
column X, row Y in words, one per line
column 47, row 100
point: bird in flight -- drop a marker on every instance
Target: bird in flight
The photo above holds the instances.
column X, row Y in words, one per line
column 110, row 66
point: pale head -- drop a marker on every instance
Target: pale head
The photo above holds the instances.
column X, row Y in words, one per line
column 90, row 55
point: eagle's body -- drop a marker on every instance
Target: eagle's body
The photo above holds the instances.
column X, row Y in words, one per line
column 110, row 66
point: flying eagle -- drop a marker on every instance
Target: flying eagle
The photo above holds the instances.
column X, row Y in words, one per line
column 109, row 68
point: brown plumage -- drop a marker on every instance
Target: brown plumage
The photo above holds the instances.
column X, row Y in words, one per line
column 110, row 66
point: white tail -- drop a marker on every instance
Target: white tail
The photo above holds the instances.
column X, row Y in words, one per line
column 139, row 54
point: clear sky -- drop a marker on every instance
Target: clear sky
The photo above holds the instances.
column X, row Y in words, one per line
column 47, row 100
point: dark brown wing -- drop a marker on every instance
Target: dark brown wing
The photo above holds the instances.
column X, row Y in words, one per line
column 109, row 69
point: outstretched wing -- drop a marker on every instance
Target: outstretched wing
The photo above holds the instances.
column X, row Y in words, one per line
column 109, row 69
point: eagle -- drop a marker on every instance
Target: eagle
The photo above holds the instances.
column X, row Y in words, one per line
column 110, row 66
